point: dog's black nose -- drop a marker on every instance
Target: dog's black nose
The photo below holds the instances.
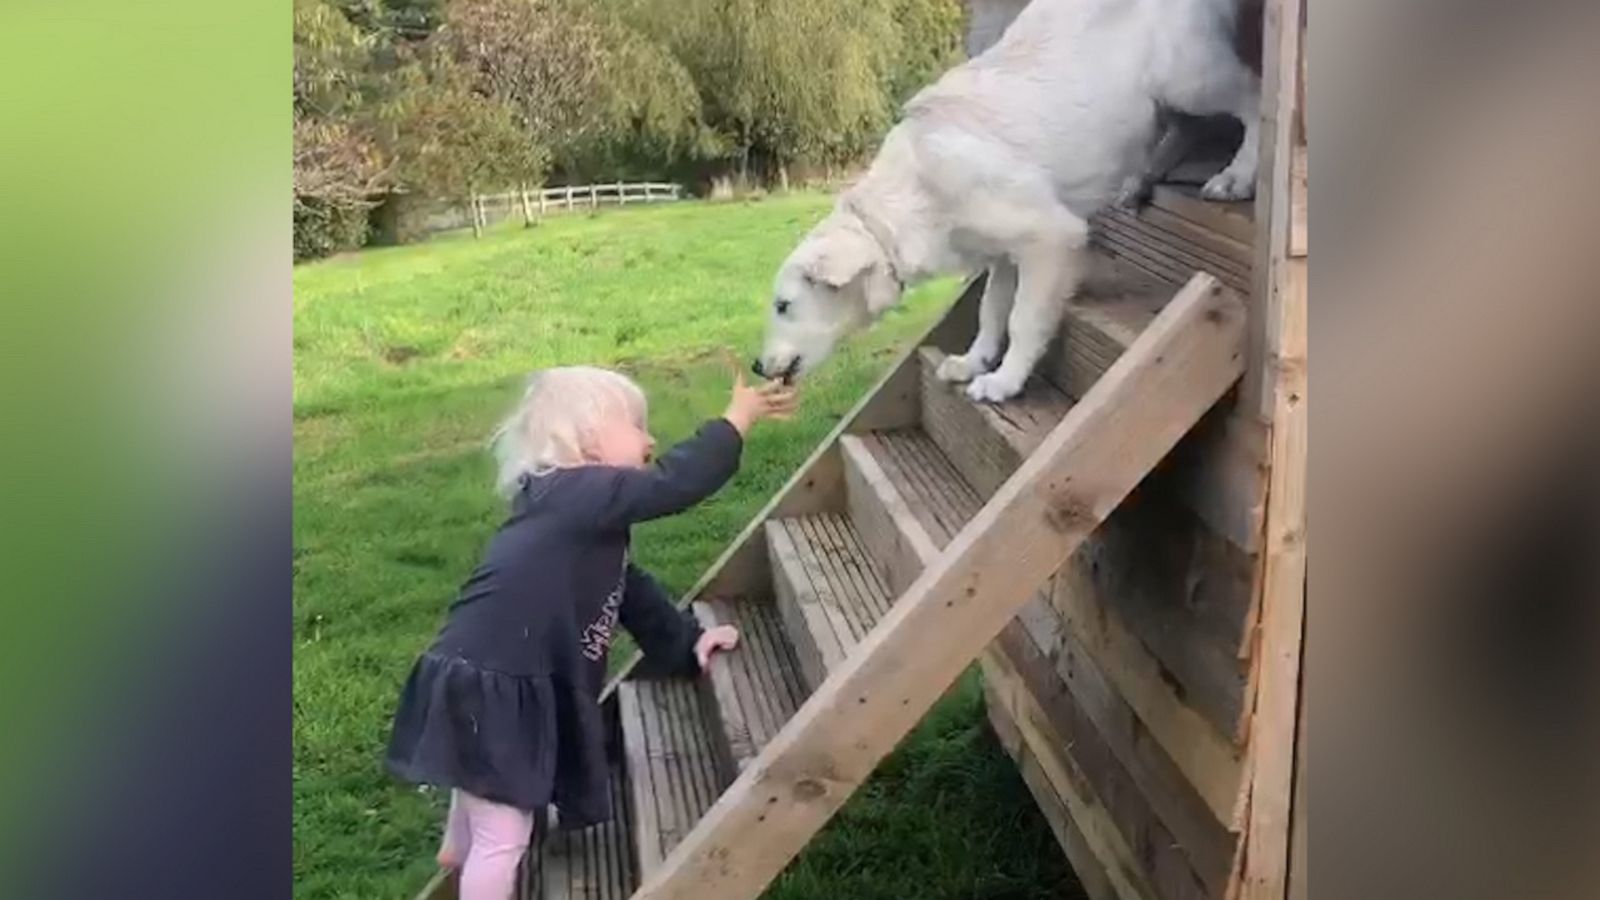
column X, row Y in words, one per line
column 755, row 366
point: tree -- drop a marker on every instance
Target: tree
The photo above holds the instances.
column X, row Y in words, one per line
column 451, row 141
column 930, row 43
column 586, row 85
column 783, row 81
column 338, row 168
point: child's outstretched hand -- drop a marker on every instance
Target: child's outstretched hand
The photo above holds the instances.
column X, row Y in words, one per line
column 749, row 405
column 722, row 637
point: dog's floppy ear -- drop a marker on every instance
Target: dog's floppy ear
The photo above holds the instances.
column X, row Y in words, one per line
column 844, row 256
column 840, row 257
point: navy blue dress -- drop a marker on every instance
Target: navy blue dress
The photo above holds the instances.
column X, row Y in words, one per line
column 504, row 703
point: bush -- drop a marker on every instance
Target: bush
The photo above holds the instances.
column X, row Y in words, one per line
column 322, row 227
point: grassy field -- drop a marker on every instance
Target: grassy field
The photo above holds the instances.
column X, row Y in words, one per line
column 405, row 358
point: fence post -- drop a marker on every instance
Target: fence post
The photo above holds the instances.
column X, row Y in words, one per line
column 569, row 198
column 594, row 197
column 541, row 202
column 527, row 207
column 622, row 197
column 477, row 216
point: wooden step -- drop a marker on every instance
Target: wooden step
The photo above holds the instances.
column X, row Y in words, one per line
column 829, row 592
column 594, row 863
column 1177, row 369
column 902, row 481
column 1173, row 630
column 757, row 687
column 1178, row 234
column 673, row 763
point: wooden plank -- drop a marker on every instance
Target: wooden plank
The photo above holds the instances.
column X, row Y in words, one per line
column 1238, row 247
column 1157, row 390
column 1196, row 245
column 1067, row 781
column 743, row 569
column 853, row 569
column 1205, row 839
column 986, row 442
column 887, row 525
column 1185, row 849
column 1299, row 840
column 636, row 750
column 1067, row 729
column 1218, row 470
column 1280, row 386
column 728, row 677
column 1236, row 220
column 1206, row 756
column 836, row 597
column 915, row 477
column 1272, row 731
column 1182, row 590
column 782, row 686
column 895, row 403
column 1300, row 192
column 1179, row 251
column 816, row 643
column 1091, row 874
column 852, row 554
column 755, row 688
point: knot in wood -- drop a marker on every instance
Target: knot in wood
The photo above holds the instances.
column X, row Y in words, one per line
column 807, row 789
column 1068, row 513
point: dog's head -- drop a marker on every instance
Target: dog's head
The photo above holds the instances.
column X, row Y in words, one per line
column 837, row 282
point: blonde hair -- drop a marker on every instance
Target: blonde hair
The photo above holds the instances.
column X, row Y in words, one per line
column 558, row 410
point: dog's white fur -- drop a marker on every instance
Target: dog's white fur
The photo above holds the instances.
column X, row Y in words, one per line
column 999, row 165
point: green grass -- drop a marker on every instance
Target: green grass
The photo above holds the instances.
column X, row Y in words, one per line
column 404, row 360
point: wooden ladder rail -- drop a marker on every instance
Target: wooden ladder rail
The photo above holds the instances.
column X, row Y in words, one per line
column 1188, row 357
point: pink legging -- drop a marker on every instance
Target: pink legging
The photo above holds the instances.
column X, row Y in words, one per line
column 487, row 840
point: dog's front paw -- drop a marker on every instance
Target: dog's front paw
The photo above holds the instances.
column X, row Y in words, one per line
column 994, row 387
column 1227, row 185
column 961, row 368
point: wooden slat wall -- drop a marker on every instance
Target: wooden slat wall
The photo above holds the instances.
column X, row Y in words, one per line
column 1174, row 673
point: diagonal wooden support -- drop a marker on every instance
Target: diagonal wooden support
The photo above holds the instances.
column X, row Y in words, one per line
column 1177, row 369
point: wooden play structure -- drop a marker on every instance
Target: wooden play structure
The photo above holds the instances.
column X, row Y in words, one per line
column 1121, row 549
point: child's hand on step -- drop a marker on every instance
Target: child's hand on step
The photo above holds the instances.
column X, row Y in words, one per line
column 722, row 637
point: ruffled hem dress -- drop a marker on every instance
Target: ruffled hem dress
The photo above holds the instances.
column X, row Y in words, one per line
column 504, row 703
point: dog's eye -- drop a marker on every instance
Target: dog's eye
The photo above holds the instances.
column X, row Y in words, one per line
column 781, row 307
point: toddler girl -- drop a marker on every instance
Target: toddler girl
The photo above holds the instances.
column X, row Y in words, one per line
column 503, row 706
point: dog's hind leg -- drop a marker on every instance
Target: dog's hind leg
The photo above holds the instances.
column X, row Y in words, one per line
column 1049, row 269
column 1176, row 141
column 994, row 308
column 1214, row 82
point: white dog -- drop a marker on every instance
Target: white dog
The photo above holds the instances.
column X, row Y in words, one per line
column 999, row 164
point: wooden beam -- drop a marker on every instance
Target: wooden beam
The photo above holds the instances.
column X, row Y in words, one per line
column 1091, row 874
column 1082, row 706
column 1283, row 398
column 1272, row 733
column 1063, row 730
column 1204, row 755
column 1187, row 358
column 1091, row 696
column 1066, row 780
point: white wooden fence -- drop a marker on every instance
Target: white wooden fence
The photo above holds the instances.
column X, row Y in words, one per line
column 487, row 209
